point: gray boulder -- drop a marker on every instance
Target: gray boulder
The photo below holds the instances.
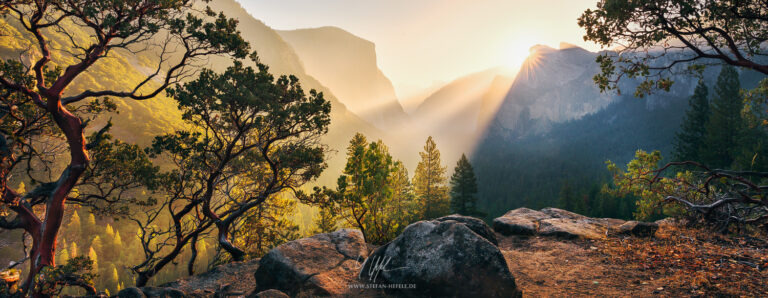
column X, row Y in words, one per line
column 321, row 265
column 475, row 224
column 445, row 257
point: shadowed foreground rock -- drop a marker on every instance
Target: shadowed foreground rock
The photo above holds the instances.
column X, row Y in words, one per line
column 452, row 256
column 151, row 292
column 560, row 223
column 321, row 265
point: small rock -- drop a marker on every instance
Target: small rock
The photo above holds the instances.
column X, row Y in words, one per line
column 272, row 293
column 637, row 228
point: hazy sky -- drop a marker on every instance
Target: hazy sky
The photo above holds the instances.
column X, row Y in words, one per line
column 423, row 42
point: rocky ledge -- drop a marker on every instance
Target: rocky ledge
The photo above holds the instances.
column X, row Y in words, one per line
column 451, row 256
column 555, row 222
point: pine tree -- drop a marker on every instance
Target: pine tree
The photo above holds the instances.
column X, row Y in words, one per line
column 325, row 221
column 92, row 255
column 73, row 250
column 74, row 227
column 690, row 140
column 63, row 257
column 109, row 231
column 114, row 278
column 404, row 207
column 429, row 181
column 725, row 124
column 117, row 241
column 464, row 188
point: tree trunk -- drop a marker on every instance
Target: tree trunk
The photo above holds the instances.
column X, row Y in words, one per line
column 193, row 258
column 237, row 254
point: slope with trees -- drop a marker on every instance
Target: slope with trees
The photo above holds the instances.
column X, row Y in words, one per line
column 46, row 90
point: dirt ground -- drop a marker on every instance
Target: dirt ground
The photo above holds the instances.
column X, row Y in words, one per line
column 547, row 267
column 675, row 263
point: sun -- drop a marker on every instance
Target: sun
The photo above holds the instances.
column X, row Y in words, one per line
column 516, row 51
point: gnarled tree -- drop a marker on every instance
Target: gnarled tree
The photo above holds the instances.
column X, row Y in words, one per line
column 654, row 39
column 50, row 105
column 251, row 138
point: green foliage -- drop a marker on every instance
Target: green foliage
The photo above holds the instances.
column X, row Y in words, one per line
column 374, row 193
column 657, row 39
column 429, row 183
column 326, row 221
column 77, row 272
column 690, row 140
column 642, row 180
column 464, row 189
column 266, row 226
column 251, row 138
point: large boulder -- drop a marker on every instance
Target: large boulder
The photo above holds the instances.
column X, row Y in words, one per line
column 521, row 221
column 321, row 265
column 453, row 256
column 553, row 222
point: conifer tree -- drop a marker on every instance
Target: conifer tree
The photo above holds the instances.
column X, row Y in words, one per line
column 404, row 206
column 325, row 221
column 89, row 225
column 73, row 249
column 725, row 124
column 63, row 257
column 96, row 243
column 117, row 241
column 689, row 141
column 429, row 182
column 109, row 231
column 464, row 188
column 94, row 257
column 74, row 227
column 114, row 278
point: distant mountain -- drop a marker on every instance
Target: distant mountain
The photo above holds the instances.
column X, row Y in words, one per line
column 554, row 128
column 552, row 86
column 347, row 64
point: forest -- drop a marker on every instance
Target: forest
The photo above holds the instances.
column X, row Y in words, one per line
column 145, row 141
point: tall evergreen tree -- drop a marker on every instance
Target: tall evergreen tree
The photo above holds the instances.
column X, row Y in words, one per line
column 326, row 221
column 725, row 124
column 429, row 182
column 464, row 188
column 689, row 141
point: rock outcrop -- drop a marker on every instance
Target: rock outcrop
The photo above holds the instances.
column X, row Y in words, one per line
column 452, row 256
column 560, row 223
column 321, row 265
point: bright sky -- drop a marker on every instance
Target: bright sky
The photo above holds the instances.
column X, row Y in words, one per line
column 423, row 42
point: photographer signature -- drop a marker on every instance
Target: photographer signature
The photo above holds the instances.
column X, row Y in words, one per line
column 377, row 265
